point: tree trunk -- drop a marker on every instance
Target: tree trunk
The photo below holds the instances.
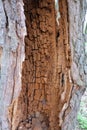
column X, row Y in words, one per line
column 43, row 76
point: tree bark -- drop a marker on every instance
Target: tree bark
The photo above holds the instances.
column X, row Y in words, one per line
column 12, row 32
column 43, row 76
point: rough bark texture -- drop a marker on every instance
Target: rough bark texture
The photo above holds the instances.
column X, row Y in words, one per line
column 76, row 10
column 47, row 95
column 12, row 32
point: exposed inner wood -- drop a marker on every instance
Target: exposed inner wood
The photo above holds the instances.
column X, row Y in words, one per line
column 45, row 75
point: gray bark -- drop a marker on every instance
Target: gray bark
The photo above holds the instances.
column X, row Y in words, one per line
column 12, row 32
column 76, row 10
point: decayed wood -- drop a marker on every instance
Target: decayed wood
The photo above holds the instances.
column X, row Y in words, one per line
column 43, row 79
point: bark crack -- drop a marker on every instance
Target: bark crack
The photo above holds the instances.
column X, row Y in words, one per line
column 7, row 23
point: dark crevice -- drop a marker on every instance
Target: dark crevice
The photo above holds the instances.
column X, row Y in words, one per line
column 7, row 23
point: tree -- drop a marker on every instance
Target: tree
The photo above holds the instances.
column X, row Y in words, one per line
column 43, row 74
